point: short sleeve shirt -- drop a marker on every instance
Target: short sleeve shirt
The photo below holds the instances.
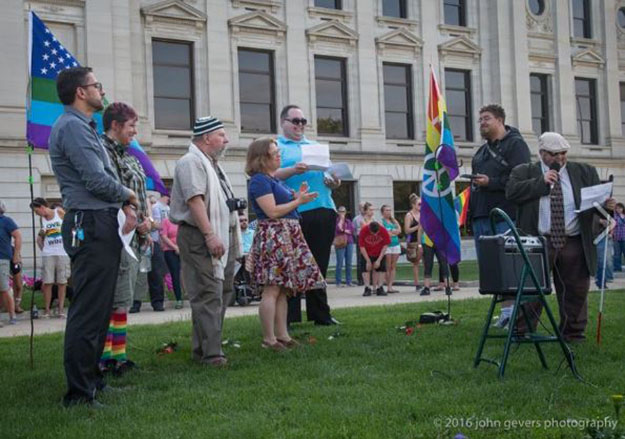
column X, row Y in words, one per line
column 190, row 180
column 263, row 184
column 290, row 155
column 7, row 226
column 373, row 243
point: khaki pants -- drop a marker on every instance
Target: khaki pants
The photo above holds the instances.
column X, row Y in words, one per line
column 209, row 296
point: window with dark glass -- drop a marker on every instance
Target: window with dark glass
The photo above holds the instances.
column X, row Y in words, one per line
column 331, row 92
column 398, row 101
column 537, row 7
column 329, row 4
column 401, row 193
column 458, row 99
column 256, row 91
column 172, row 64
column 540, row 103
column 581, row 19
column 586, row 100
column 394, row 8
column 455, row 12
column 344, row 196
column 622, row 86
column 620, row 16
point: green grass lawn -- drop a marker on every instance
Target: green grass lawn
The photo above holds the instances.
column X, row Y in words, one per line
column 368, row 381
column 468, row 272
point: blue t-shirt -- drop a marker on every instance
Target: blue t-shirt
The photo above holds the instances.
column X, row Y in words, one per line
column 290, row 155
column 263, row 184
column 7, row 226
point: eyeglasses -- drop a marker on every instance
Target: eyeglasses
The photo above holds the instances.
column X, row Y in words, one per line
column 97, row 85
column 297, row 121
column 274, row 154
column 485, row 119
column 553, row 154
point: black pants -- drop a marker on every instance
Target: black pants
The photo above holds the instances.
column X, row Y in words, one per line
column 453, row 270
column 173, row 264
column 428, row 261
column 156, row 285
column 318, row 227
column 95, row 264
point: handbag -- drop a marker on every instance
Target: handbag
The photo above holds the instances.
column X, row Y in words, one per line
column 340, row 241
column 412, row 251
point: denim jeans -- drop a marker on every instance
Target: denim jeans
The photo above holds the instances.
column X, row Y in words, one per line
column 619, row 252
column 609, row 276
column 481, row 227
column 344, row 255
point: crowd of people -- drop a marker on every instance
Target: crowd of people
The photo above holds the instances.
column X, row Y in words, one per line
column 377, row 260
column 202, row 236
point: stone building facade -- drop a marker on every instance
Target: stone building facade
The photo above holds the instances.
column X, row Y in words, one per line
column 358, row 69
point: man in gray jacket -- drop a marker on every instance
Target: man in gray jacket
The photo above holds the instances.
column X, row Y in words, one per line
column 92, row 196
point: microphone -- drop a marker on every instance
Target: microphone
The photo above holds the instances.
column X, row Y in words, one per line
column 556, row 167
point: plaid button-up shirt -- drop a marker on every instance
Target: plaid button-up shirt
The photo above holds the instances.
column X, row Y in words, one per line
column 129, row 169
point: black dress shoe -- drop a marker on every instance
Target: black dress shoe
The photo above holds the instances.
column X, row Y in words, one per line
column 136, row 307
column 323, row 322
column 90, row 403
column 158, row 308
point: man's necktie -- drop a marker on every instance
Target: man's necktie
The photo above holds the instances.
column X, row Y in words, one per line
column 558, row 232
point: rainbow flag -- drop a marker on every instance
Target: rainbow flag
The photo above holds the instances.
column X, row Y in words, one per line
column 438, row 214
column 47, row 57
column 462, row 206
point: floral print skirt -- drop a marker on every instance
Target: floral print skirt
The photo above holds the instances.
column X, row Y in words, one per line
column 280, row 256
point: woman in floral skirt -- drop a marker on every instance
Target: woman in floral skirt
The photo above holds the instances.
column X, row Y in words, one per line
column 280, row 261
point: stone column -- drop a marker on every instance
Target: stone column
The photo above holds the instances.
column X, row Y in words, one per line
column 519, row 88
column 564, row 89
column 611, row 110
column 370, row 131
column 297, row 61
column 99, row 40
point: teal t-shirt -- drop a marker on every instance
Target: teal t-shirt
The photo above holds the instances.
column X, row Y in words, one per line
column 391, row 227
column 290, row 155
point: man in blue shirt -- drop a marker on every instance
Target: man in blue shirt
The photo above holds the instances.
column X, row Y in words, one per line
column 318, row 217
column 246, row 232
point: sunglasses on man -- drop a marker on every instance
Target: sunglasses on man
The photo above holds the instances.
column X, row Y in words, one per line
column 297, row 121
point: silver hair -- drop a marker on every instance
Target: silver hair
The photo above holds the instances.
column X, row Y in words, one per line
column 3, row 207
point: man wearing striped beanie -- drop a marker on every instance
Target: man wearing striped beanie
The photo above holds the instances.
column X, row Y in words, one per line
column 209, row 237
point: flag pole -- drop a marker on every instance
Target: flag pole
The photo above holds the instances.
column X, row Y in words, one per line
column 29, row 153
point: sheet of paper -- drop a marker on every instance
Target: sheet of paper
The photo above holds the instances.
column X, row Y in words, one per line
column 598, row 193
column 341, row 171
column 127, row 238
column 316, row 156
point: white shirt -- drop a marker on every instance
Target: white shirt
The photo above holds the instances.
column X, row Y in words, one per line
column 571, row 222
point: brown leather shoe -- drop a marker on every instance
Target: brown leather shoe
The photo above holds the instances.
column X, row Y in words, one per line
column 289, row 344
column 218, row 362
column 276, row 347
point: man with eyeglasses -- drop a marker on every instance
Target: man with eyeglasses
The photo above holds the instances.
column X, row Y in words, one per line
column 504, row 149
column 548, row 193
column 92, row 196
column 318, row 218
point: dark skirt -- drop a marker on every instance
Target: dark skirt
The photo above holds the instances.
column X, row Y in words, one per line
column 280, row 256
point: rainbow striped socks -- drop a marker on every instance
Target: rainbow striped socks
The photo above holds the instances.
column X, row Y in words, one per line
column 115, row 344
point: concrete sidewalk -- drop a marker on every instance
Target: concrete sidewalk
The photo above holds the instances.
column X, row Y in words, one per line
column 337, row 298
